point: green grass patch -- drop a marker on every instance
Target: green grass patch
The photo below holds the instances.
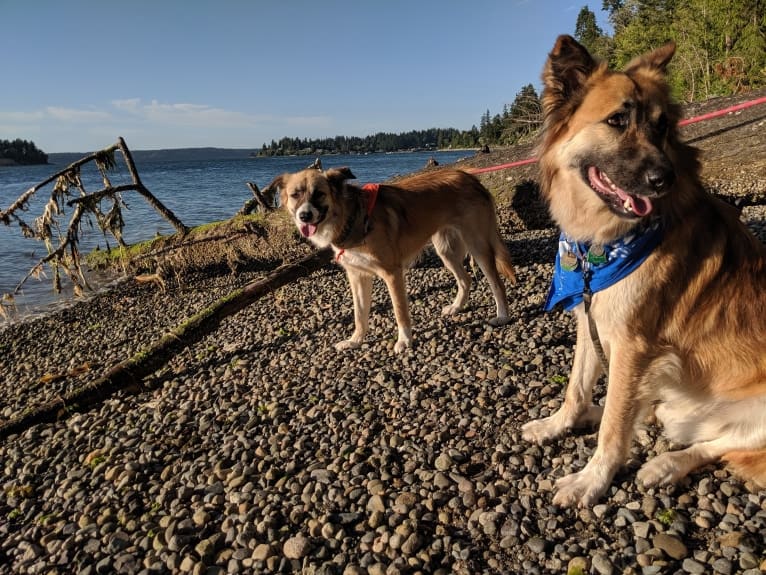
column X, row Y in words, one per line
column 96, row 461
column 666, row 516
column 101, row 259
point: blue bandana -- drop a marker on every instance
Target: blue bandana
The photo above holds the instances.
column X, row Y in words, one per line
column 607, row 264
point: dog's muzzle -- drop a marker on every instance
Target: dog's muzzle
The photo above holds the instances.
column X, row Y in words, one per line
column 308, row 218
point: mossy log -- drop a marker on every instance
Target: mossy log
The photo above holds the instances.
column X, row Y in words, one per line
column 127, row 375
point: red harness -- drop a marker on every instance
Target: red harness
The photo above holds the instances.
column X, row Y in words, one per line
column 372, row 197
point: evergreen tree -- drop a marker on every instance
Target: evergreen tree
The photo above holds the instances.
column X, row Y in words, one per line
column 524, row 115
column 22, row 152
column 590, row 35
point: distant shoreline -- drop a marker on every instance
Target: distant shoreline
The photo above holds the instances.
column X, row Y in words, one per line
column 8, row 163
column 207, row 154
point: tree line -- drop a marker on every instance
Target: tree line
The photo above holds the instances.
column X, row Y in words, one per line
column 720, row 45
column 21, row 152
column 430, row 139
column 518, row 119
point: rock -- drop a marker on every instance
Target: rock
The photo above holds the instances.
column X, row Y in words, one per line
column 578, row 565
column 376, row 503
column 602, row 564
column 262, row 551
column 296, row 547
column 537, row 545
column 692, row 566
column 671, row 545
column 443, row 462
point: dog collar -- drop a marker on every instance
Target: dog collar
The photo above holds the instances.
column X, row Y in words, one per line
column 605, row 264
column 372, row 197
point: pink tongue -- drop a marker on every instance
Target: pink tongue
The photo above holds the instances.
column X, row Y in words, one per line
column 641, row 205
column 308, row 230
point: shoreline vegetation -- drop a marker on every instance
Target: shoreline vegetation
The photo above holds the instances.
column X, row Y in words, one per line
column 21, row 153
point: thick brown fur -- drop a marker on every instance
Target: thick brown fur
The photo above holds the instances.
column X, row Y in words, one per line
column 687, row 330
column 448, row 207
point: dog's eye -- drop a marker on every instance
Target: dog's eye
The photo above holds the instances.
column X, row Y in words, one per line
column 618, row 120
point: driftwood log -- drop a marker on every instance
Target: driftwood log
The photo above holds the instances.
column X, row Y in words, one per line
column 258, row 201
column 127, row 375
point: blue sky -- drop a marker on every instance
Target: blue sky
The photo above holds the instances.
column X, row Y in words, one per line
column 77, row 74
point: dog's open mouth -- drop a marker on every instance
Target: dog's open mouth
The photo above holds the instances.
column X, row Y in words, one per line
column 619, row 200
column 308, row 230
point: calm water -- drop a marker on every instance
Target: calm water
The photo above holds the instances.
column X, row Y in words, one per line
column 196, row 191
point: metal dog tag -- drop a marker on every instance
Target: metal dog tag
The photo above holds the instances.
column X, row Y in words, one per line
column 596, row 255
column 569, row 262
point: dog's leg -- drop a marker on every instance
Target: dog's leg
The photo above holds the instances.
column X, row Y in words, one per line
column 623, row 406
column 714, row 429
column 484, row 255
column 396, row 288
column 578, row 409
column 361, row 292
column 672, row 466
column 451, row 249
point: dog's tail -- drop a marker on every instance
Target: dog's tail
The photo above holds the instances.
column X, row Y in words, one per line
column 749, row 465
column 503, row 260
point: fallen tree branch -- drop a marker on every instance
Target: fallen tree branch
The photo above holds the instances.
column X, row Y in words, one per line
column 66, row 256
column 128, row 374
column 24, row 198
column 258, row 201
column 144, row 191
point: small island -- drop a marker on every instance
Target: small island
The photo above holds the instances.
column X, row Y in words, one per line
column 21, row 153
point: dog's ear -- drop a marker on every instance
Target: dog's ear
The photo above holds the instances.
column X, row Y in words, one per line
column 568, row 67
column 655, row 60
column 276, row 189
column 336, row 176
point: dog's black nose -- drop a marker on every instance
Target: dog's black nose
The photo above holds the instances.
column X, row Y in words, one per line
column 304, row 216
column 659, row 179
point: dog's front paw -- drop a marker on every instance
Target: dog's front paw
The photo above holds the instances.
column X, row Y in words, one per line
column 451, row 309
column 402, row 344
column 580, row 489
column 545, row 429
column 403, row 339
column 667, row 467
column 499, row 320
column 347, row 344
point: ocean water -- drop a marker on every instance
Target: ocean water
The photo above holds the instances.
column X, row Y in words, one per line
column 198, row 192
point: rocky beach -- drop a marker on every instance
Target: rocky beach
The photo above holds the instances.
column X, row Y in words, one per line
column 261, row 449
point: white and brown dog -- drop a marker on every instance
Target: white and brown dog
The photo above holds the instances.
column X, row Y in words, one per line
column 678, row 283
column 379, row 230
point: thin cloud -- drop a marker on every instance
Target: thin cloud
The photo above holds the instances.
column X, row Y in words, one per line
column 74, row 115
column 130, row 105
column 183, row 113
column 21, row 117
column 159, row 124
